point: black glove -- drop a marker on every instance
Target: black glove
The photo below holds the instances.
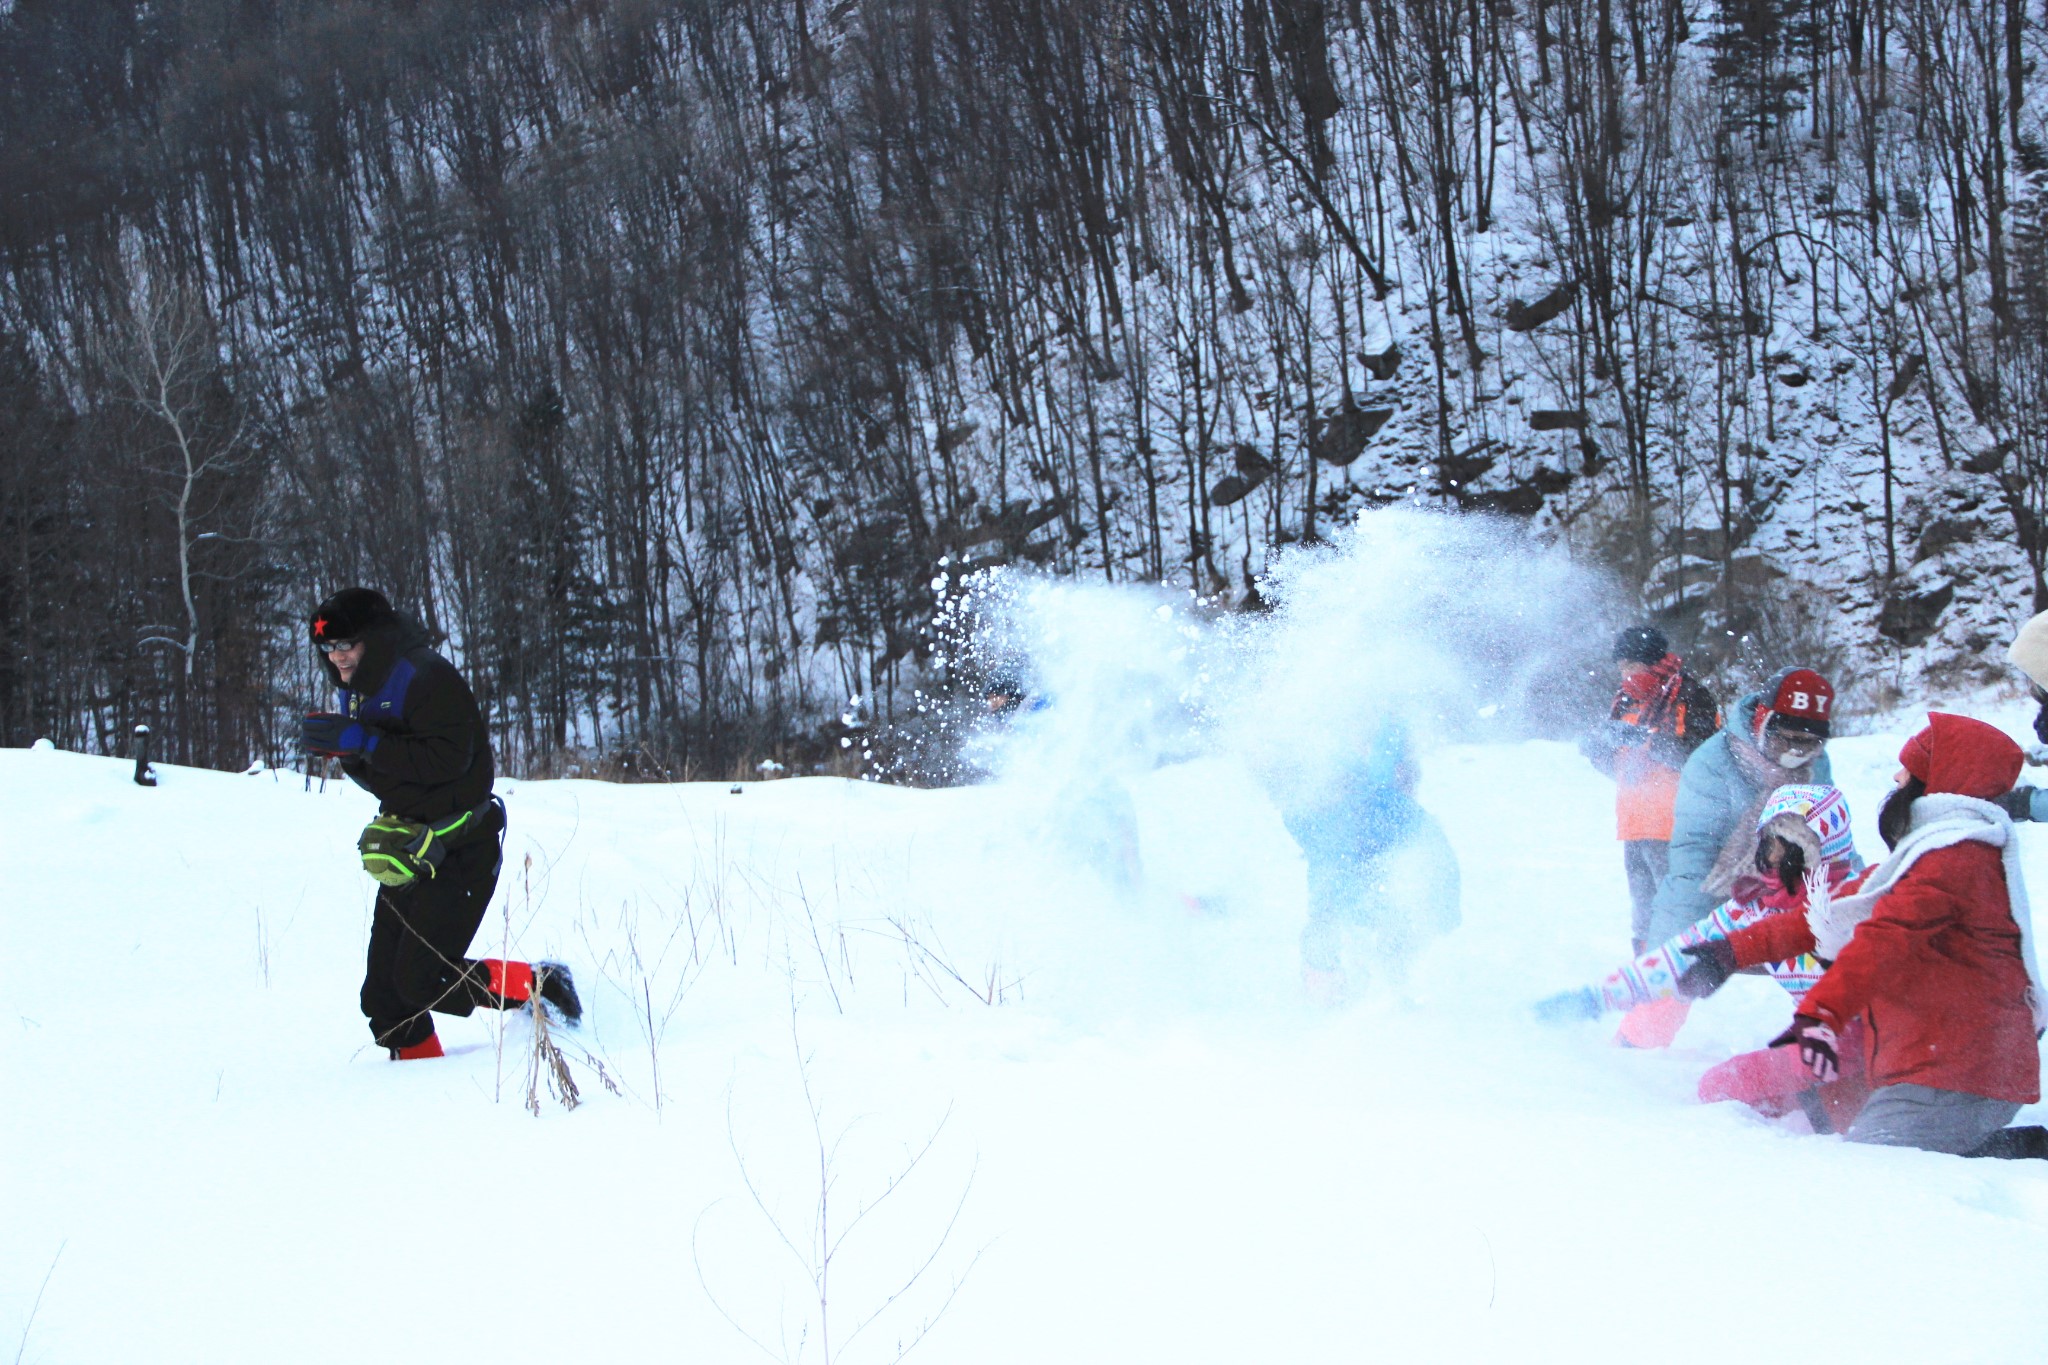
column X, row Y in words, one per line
column 2018, row 803
column 1605, row 741
column 335, row 736
column 1817, row 1044
column 1713, row 963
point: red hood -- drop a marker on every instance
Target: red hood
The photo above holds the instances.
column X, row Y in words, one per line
column 1964, row 756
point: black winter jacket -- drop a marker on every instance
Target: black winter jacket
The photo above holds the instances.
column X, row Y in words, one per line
column 431, row 757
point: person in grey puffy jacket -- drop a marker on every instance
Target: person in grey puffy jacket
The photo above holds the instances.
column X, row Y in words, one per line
column 1774, row 736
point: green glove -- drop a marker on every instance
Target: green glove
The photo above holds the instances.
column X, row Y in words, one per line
column 398, row 852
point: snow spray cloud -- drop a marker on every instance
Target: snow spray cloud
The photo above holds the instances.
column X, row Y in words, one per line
column 1108, row 680
column 1171, row 753
column 1443, row 625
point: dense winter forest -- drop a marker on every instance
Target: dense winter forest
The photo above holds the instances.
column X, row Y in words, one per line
column 672, row 358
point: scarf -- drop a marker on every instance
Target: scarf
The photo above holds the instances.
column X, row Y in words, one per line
column 1650, row 697
column 1940, row 820
column 1759, row 769
column 1738, row 851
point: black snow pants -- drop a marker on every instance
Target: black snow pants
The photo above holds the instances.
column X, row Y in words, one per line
column 419, row 945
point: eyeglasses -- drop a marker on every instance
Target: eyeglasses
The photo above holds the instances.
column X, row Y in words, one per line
column 335, row 646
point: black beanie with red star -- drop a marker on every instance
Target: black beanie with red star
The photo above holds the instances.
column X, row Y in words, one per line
column 349, row 614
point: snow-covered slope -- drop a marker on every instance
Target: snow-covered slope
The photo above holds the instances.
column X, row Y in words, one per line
column 1149, row 1148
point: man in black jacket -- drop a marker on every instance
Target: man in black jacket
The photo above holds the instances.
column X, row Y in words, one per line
column 407, row 730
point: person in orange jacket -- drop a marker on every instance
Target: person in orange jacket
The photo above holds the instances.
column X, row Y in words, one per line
column 1659, row 716
column 1933, row 953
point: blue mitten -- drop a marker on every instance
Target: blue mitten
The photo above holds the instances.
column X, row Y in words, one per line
column 335, row 736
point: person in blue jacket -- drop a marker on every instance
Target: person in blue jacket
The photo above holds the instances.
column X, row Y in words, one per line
column 1093, row 820
column 1774, row 736
column 1376, row 861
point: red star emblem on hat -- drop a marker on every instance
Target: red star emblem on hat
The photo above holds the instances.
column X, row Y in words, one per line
column 319, row 627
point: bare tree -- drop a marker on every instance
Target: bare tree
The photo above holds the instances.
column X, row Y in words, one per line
column 164, row 361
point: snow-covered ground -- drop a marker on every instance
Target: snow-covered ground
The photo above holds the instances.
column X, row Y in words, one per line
column 1148, row 1147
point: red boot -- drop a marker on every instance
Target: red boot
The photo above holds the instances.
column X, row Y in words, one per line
column 511, row 982
column 1653, row 1025
column 1769, row 1080
column 430, row 1046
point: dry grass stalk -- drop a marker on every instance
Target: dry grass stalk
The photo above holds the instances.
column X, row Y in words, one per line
column 816, row 1248
column 930, row 964
column 37, row 1306
column 545, row 1063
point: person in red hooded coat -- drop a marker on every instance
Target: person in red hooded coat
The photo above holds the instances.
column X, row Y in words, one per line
column 1938, row 960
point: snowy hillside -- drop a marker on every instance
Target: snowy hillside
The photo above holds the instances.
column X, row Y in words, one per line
column 1119, row 1130
column 663, row 358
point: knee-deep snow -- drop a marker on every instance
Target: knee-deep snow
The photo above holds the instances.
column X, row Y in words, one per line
column 1048, row 1121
